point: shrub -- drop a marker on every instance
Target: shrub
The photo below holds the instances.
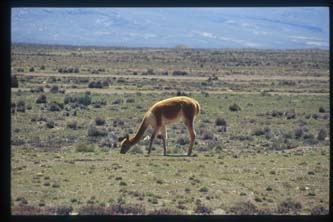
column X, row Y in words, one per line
column 319, row 210
column 62, row 210
column 69, row 99
column 298, row 132
column 203, row 189
column 94, row 131
column 84, row 99
column 243, row 208
column 99, row 103
column 72, row 125
column 32, row 210
column 84, row 147
column 20, row 106
column 99, row 121
column 41, row 99
column 288, row 206
column 317, row 116
column 322, row 109
column 50, row 124
column 130, row 100
column 92, row 84
column 117, row 101
column 182, row 140
column 234, row 107
column 179, row 73
column 276, row 113
column 165, row 211
column 14, row 81
column 220, row 122
column 31, row 69
column 201, row 209
column 37, row 89
column 132, row 209
column 279, row 144
column 291, row 114
column 54, row 107
column 54, row 89
column 322, row 134
column 258, row 132
column 207, row 135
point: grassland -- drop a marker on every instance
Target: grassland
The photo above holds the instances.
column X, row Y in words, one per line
column 262, row 142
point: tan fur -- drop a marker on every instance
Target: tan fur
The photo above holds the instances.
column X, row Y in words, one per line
column 161, row 114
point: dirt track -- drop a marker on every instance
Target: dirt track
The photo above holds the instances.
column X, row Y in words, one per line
column 233, row 77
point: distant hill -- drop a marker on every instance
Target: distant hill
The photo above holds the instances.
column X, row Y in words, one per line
column 277, row 28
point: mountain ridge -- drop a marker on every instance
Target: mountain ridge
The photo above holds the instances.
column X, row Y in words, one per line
column 277, row 28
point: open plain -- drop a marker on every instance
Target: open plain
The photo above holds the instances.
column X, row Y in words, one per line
column 262, row 143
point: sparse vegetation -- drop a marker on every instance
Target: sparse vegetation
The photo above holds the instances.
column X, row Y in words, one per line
column 234, row 107
column 14, row 81
column 273, row 159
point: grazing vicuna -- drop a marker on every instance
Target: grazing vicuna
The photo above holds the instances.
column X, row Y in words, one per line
column 162, row 113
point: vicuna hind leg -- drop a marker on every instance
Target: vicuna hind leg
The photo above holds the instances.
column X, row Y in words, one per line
column 189, row 126
column 164, row 139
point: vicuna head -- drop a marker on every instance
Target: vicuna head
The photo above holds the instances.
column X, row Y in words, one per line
column 125, row 144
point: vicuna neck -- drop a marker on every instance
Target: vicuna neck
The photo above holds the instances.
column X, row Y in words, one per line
column 136, row 138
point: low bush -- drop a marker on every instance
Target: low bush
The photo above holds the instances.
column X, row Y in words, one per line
column 322, row 134
column 179, row 73
column 54, row 107
column 206, row 135
column 319, row 210
column 84, row 99
column 243, row 208
column 41, row 99
column 14, row 81
column 290, row 114
column 299, row 132
column 81, row 147
column 50, row 124
column 37, row 89
column 201, row 209
column 234, row 107
column 289, row 206
column 20, row 106
column 94, row 131
column 72, row 125
column 34, row 210
column 322, row 109
column 220, row 122
column 182, row 140
column 99, row 121
column 117, row 101
column 130, row 100
column 54, row 89
column 128, row 209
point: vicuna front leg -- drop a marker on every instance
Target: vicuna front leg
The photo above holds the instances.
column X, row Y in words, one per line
column 152, row 139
